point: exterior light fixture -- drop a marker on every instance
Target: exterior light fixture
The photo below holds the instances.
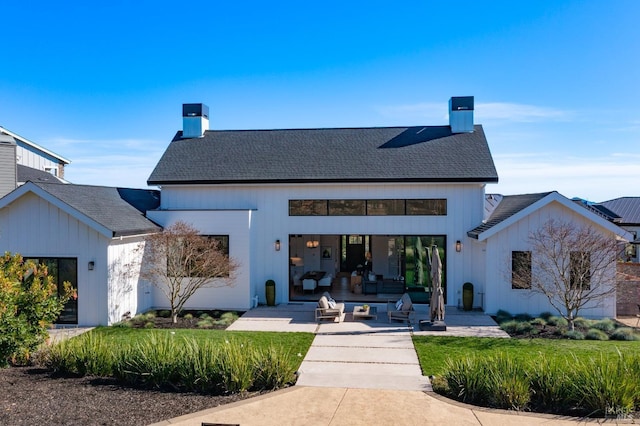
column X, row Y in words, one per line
column 313, row 244
column 277, row 245
column 309, row 244
column 91, row 265
column 458, row 246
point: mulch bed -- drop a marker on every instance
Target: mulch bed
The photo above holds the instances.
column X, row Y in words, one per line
column 189, row 322
column 31, row 396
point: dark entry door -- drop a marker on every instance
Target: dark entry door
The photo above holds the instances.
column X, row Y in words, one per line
column 355, row 249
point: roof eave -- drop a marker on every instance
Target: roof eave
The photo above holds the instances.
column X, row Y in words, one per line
column 289, row 181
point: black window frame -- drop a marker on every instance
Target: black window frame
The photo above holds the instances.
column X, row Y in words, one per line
column 520, row 269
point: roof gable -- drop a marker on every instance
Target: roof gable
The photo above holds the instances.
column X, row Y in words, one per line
column 30, row 174
column 26, row 142
column 516, row 207
column 113, row 212
column 386, row 154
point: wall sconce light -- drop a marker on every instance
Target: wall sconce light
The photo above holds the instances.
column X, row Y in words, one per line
column 91, row 265
column 458, row 246
column 277, row 245
column 313, row 244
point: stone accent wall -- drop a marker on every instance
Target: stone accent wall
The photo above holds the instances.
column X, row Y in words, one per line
column 628, row 296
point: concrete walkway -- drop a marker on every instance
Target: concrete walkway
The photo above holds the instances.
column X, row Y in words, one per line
column 360, row 372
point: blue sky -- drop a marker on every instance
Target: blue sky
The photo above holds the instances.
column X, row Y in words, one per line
column 556, row 84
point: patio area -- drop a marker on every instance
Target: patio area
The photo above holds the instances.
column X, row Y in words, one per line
column 299, row 317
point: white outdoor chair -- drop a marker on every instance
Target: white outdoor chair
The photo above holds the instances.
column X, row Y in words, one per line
column 309, row 284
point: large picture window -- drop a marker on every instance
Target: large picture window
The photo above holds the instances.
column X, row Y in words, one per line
column 63, row 269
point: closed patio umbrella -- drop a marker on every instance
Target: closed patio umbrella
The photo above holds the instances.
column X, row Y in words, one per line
column 437, row 296
column 419, row 277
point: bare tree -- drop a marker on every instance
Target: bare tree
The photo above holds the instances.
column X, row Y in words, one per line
column 572, row 265
column 179, row 261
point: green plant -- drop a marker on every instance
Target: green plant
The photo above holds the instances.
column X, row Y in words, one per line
column 149, row 324
column 188, row 316
column 595, row 334
column 557, row 321
column 523, row 317
column 164, row 313
column 607, row 325
column 574, row 335
column 582, row 322
column 625, row 333
column 545, row 315
column 538, row 321
column 274, row 368
column 29, row 302
column 516, row 327
column 502, row 316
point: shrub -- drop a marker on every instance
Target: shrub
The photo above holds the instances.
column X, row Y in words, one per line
column 538, row 321
column 29, row 303
column 502, row 316
column 122, row 324
column 523, row 317
column 557, row 321
column 164, row 313
column 545, row 315
column 625, row 333
column 551, row 383
column 582, row 322
column 574, row 335
column 188, row 316
column 228, row 318
column 149, row 315
column 205, row 323
column 516, row 327
column 607, row 325
column 595, row 334
column 149, row 324
column 274, row 368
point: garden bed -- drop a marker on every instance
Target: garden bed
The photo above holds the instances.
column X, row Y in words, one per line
column 33, row 396
column 208, row 319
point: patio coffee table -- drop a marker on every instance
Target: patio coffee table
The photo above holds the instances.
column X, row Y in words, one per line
column 360, row 313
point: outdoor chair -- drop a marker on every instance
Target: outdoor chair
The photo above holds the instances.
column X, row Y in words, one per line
column 326, row 311
column 402, row 310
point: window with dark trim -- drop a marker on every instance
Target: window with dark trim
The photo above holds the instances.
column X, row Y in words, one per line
column 580, row 269
column 391, row 207
column 521, row 270
column 223, row 246
column 63, row 269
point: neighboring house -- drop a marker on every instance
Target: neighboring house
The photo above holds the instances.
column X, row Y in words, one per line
column 87, row 235
column 509, row 222
column 627, row 215
column 22, row 160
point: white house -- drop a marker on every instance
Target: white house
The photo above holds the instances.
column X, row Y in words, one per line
column 87, row 235
column 305, row 208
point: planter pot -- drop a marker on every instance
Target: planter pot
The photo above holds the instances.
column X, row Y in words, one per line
column 270, row 292
column 467, row 296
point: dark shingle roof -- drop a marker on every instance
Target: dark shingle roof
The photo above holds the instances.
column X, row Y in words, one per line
column 628, row 208
column 509, row 206
column 120, row 210
column 389, row 154
column 34, row 175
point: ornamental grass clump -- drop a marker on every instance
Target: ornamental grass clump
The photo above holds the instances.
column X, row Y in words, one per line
column 87, row 354
column 274, row 368
column 595, row 334
column 607, row 325
column 625, row 333
column 502, row 316
column 574, row 335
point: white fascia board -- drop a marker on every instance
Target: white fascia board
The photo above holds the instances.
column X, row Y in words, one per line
column 35, row 189
column 35, row 145
column 620, row 233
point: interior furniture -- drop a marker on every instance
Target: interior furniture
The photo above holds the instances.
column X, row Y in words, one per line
column 325, row 312
column 309, row 285
column 404, row 313
column 325, row 282
column 359, row 312
column 370, row 287
column 355, row 279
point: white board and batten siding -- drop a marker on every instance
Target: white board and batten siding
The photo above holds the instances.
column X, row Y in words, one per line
column 54, row 233
column 237, row 224
column 515, row 238
column 270, row 221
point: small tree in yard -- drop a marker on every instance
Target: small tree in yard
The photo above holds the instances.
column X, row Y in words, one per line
column 29, row 303
column 572, row 265
column 179, row 261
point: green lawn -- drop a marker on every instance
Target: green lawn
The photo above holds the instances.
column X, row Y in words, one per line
column 296, row 343
column 434, row 350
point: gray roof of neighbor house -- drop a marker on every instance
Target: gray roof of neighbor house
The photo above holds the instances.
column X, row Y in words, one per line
column 121, row 210
column 34, row 175
column 628, row 208
column 509, row 206
column 380, row 154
